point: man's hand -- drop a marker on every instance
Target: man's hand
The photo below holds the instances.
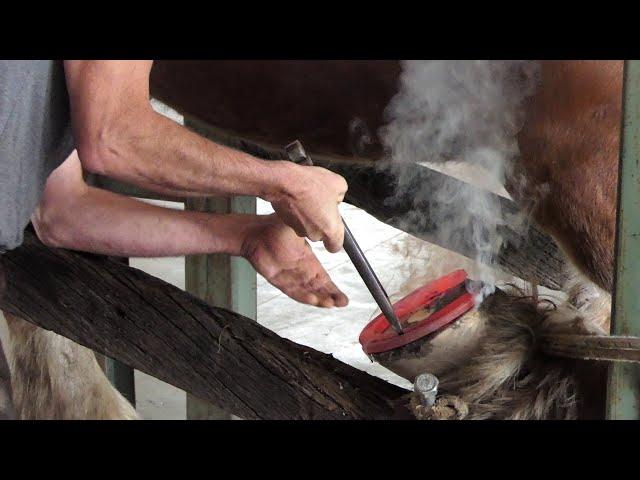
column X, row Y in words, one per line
column 309, row 205
column 286, row 261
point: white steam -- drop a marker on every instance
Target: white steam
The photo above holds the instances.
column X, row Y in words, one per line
column 462, row 111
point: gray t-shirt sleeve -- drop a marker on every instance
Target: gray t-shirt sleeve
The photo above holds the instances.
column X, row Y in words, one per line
column 35, row 138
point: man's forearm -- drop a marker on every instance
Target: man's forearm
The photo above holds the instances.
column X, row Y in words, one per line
column 110, row 224
column 160, row 155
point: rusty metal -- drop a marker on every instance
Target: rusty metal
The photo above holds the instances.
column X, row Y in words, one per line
column 623, row 393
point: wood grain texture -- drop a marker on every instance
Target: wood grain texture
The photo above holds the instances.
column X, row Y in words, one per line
column 215, row 354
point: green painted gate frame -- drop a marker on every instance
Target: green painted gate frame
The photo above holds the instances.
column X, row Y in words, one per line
column 623, row 390
column 221, row 280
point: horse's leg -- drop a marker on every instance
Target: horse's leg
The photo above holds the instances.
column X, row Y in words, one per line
column 55, row 378
column 570, row 146
column 6, row 405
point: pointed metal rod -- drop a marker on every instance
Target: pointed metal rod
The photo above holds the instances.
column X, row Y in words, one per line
column 297, row 154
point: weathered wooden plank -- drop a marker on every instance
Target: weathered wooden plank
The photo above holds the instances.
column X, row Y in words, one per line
column 218, row 355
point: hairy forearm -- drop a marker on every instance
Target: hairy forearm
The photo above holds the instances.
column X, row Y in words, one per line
column 153, row 152
column 106, row 223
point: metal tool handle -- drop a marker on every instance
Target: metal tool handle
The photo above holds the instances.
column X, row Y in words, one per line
column 297, row 154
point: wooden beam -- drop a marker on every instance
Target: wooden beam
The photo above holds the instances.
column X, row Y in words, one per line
column 213, row 353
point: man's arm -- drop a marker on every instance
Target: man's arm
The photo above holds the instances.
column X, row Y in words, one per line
column 119, row 135
column 74, row 215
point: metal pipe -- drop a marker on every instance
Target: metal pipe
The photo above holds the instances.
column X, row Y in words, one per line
column 297, row 154
column 370, row 278
column 623, row 392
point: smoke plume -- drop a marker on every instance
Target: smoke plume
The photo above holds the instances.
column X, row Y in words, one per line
column 459, row 111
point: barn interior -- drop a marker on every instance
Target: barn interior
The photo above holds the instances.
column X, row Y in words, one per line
column 326, row 342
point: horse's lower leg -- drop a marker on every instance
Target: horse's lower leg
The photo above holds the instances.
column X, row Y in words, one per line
column 55, row 378
column 6, row 405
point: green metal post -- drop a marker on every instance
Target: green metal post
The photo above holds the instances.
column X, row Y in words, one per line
column 221, row 280
column 121, row 376
column 623, row 395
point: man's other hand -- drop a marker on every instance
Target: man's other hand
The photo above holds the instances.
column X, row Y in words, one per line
column 286, row 261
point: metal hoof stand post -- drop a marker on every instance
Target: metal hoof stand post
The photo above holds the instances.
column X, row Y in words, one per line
column 219, row 279
column 623, row 394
